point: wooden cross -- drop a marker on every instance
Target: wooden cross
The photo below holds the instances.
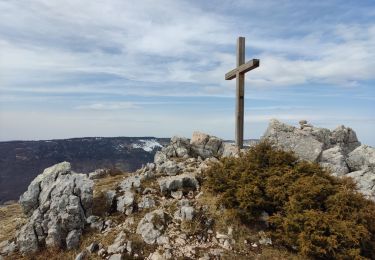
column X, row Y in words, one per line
column 239, row 74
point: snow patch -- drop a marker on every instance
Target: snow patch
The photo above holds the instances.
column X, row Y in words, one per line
column 147, row 145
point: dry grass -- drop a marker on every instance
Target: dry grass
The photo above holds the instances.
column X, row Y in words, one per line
column 102, row 185
column 11, row 219
column 224, row 218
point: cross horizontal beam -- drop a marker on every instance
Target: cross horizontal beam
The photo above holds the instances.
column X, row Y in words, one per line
column 252, row 64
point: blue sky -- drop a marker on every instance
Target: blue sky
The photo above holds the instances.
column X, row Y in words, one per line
column 156, row 68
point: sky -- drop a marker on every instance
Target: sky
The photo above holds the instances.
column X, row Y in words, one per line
column 156, row 68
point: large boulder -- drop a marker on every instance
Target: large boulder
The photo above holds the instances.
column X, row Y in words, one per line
column 206, row 146
column 362, row 157
column 365, row 180
column 345, row 137
column 334, row 160
column 181, row 146
column 58, row 201
column 300, row 141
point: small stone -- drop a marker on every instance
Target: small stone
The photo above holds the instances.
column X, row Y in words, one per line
column 167, row 254
column 264, row 240
column 129, row 246
column 227, row 245
column 162, row 240
column 102, row 252
column 146, row 203
column 97, row 174
column 118, row 245
column 148, row 191
column 93, row 247
column 171, row 168
column 83, row 255
column 182, row 181
column 187, row 213
column 177, row 194
column 95, row 222
column 125, row 202
column 108, row 223
column 72, row 239
column 221, row 236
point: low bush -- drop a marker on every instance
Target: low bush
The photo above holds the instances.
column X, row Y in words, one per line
column 311, row 212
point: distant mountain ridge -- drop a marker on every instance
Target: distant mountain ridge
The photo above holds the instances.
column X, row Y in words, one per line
column 21, row 161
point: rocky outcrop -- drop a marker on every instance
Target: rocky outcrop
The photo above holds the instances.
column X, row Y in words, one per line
column 334, row 159
column 338, row 150
column 57, row 202
column 308, row 142
column 361, row 158
column 152, row 226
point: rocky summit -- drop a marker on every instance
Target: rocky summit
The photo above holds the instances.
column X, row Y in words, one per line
column 338, row 150
column 161, row 211
column 57, row 203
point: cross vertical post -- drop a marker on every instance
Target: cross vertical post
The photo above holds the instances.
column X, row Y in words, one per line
column 240, row 92
column 239, row 74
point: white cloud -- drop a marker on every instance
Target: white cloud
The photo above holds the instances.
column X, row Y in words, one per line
column 108, row 106
column 171, row 48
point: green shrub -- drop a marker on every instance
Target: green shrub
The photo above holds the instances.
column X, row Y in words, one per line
column 311, row 212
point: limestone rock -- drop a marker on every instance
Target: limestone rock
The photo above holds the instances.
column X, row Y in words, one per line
column 7, row 247
column 83, row 255
column 361, row 158
column 125, row 203
column 181, row 146
column 131, row 182
column 152, row 226
column 206, row 146
column 290, row 138
column 169, row 167
column 185, row 213
column 95, row 222
column 31, row 198
column 199, row 139
column 345, row 137
column 57, row 202
column 334, row 160
column 27, row 239
column 230, row 150
column 177, row 194
column 93, row 247
column 146, row 202
column 97, row 174
column 173, row 183
column 110, row 200
column 365, row 180
column 119, row 245
column 160, row 158
column 72, row 239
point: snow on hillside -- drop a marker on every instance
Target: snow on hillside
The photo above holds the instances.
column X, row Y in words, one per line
column 147, row 145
